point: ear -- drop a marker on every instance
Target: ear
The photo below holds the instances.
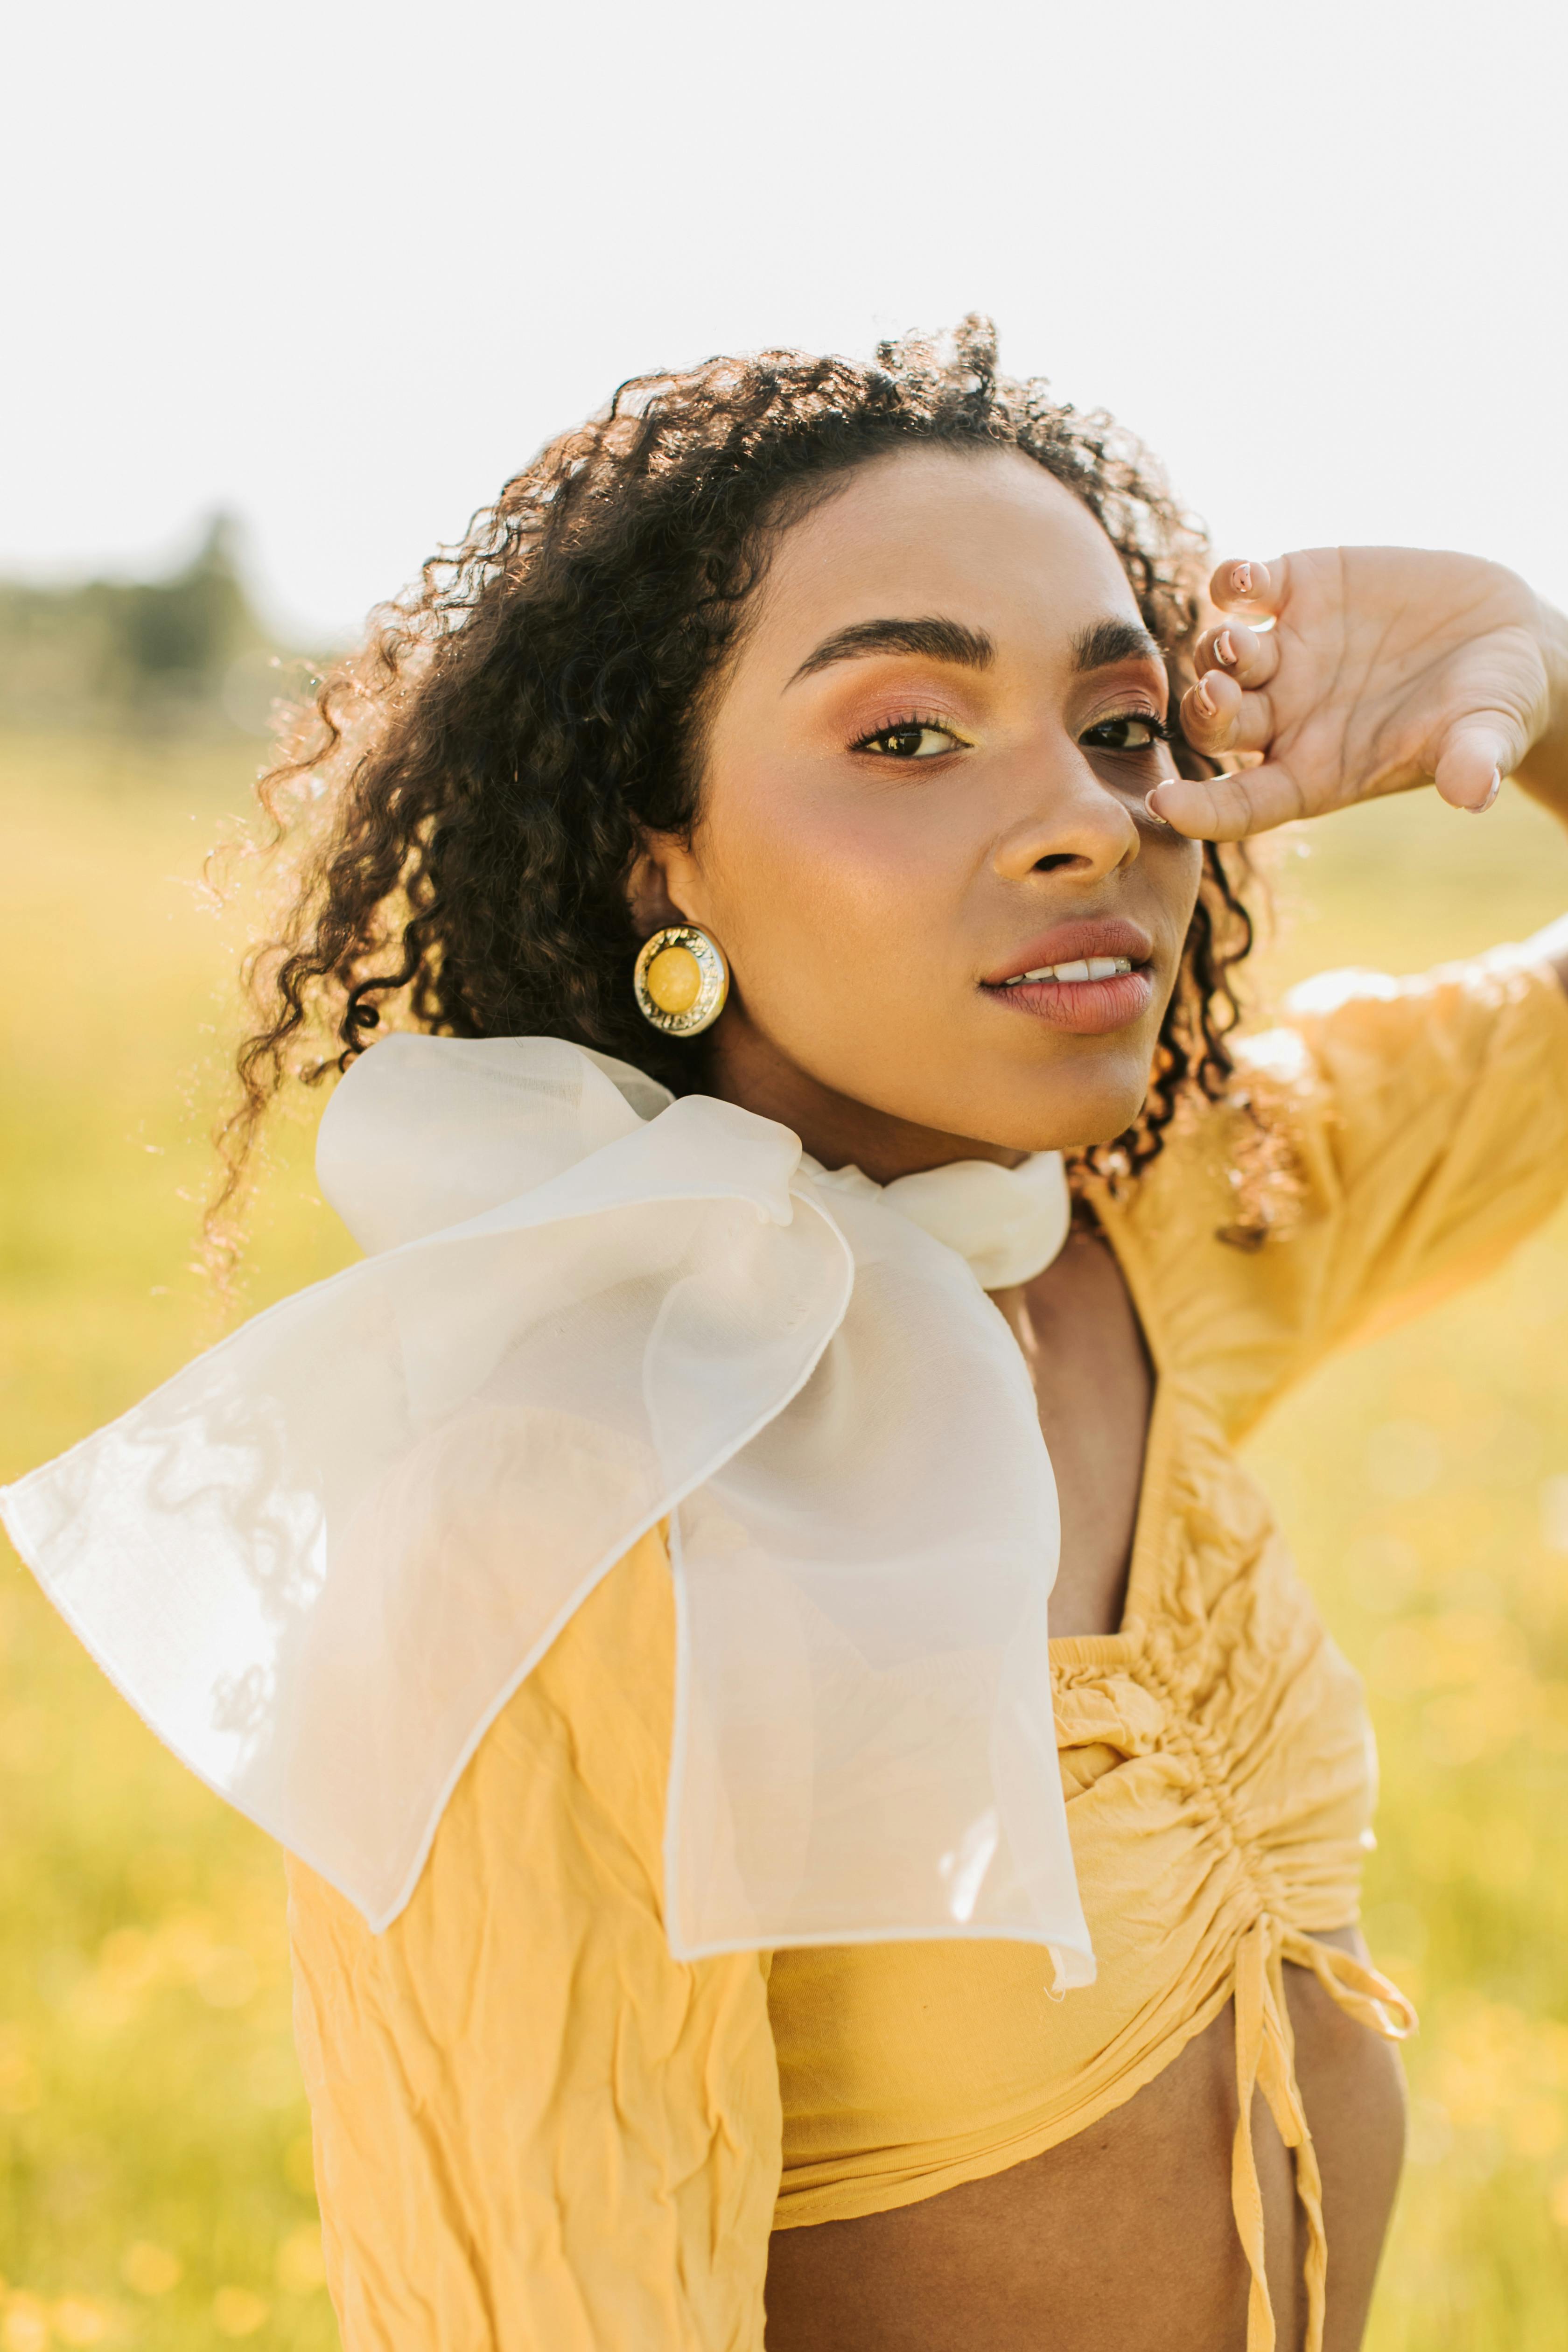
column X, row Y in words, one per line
column 649, row 883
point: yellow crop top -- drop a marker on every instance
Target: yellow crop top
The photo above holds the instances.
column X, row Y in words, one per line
column 535, row 2127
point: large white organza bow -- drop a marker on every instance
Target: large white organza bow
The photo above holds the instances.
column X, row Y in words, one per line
column 320, row 1559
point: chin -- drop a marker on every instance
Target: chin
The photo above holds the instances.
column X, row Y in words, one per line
column 1061, row 1110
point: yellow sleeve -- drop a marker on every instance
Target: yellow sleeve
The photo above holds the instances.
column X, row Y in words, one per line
column 1420, row 1129
column 534, row 2130
column 1436, row 1135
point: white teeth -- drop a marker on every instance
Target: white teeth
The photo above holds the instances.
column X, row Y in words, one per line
column 1091, row 968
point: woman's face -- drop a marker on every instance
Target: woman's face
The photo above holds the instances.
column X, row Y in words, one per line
column 924, row 781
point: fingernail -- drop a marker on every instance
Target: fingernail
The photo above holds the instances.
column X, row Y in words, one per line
column 1149, row 804
column 1224, row 647
column 1202, row 699
column 1481, row 807
column 1241, row 580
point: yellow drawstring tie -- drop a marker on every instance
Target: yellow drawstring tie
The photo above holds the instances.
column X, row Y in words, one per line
column 1265, row 2061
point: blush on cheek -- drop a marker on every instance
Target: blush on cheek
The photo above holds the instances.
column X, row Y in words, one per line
column 844, row 884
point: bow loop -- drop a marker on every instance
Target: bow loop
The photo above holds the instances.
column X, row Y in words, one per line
column 320, row 1559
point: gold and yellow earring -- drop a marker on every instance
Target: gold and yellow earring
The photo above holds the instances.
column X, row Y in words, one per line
column 681, row 980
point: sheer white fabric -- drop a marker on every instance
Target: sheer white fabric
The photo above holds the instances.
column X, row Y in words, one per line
column 322, row 1557
column 1007, row 1224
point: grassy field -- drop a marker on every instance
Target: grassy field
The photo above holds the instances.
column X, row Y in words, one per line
column 154, row 2159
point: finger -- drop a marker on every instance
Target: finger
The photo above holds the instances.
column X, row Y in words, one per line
column 1256, row 590
column 1240, row 652
column 1226, row 808
column 1472, row 766
column 1216, row 716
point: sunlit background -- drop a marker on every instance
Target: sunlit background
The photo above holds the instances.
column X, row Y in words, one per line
column 291, row 291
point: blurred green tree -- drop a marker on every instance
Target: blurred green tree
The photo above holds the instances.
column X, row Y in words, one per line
column 184, row 655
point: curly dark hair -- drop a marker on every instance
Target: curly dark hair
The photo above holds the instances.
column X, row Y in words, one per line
column 469, row 786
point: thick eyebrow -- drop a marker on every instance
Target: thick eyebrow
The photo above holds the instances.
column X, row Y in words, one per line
column 938, row 640
column 1104, row 642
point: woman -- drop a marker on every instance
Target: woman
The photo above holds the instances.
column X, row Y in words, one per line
column 624, row 1594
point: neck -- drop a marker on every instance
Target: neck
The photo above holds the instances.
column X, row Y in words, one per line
column 744, row 1068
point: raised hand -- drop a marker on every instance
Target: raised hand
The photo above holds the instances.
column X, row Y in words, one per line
column 1385, row 667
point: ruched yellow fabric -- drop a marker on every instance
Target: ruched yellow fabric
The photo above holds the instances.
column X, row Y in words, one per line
column 533, row 2127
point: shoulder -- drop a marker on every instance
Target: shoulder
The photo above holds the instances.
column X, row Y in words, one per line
column 1381, row 1137
column 1355, row 1064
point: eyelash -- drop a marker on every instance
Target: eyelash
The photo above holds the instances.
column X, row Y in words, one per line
column 908, row 722
column 1157, row 728
column 911, row 722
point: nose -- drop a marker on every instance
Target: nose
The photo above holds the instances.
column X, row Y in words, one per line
column 1072, row 824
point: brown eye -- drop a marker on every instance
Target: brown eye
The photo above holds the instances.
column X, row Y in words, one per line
column 1134, row 731
column 913, row 741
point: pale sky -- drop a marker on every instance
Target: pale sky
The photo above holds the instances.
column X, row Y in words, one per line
column 341, row 267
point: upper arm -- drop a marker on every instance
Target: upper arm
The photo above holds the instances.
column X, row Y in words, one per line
column 1409, row 1134
column 533, row 2126
column 1439, row 1135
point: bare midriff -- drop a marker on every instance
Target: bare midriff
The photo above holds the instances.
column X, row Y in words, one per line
column 1123, row 2239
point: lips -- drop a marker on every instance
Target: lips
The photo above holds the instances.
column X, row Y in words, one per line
column 1090, row 1008
column 1112, row 940
column 1090, row 978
